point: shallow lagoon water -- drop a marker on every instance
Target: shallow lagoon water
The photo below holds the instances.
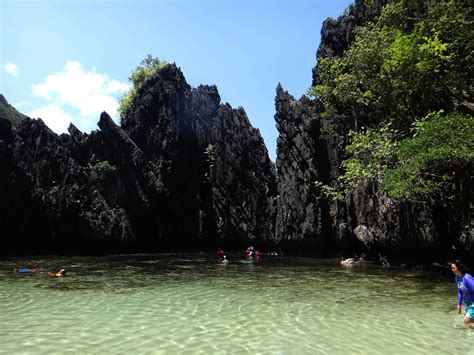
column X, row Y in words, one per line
column 192, row 304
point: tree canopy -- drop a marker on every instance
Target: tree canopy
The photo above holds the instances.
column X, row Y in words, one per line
column 148, row 67
column 398, row 87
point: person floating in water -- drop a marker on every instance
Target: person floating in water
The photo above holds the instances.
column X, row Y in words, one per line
column 27, row 271
column 60, row 273
column 465, row 284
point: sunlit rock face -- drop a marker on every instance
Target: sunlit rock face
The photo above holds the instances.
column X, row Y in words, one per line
column 213, row 164
column 183, row 172
column 338, row 34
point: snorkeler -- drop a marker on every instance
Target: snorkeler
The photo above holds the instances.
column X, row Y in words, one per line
column 27, row 271
column 465, row 284
column 60, row 273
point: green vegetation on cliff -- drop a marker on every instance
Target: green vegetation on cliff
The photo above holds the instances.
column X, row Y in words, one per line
column 440, row 147
column 103, row 165
column 148, row 67
column 9, row 112
column 398, row 87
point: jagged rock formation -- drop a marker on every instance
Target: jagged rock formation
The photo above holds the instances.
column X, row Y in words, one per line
column 300, row 225
column 50, row 201
column 9, row 112
column 367, row 220
column 184, row 172
column 213, row 163
column 338, row 34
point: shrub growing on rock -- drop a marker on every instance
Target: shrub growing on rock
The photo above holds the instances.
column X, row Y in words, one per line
column 148, row 67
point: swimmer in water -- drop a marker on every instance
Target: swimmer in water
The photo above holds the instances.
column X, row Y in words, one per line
column 220, row 253
column 249, row 252
column 27, row 271
column 60, row 273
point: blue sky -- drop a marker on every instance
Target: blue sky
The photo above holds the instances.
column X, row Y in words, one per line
column 68, row 60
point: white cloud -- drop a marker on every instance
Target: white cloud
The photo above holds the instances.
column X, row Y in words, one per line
column 117, row 86
column 11, row 69
column 54, row 117
column 87, row 91
column 21, row 104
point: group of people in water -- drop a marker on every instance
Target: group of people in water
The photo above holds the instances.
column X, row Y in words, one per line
column 464, row 281
column 250, row 253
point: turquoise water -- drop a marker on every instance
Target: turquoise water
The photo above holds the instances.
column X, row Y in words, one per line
column 192, row 304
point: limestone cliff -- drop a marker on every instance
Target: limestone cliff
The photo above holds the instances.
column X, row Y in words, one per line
column 183, row 172
column 311, row 150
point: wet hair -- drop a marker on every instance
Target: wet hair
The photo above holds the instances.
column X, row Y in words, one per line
column 460, row 265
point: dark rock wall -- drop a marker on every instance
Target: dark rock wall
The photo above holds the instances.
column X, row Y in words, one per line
column 189, row 172
column 438, row 228
column 213, row 163
column 301, row 224
column 367, row 221
column 186, row 173
column 49, row 200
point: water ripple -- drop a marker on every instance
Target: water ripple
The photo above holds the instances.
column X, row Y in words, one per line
column 191, row 304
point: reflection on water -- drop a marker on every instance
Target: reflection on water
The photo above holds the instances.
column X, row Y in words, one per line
column 194, row 304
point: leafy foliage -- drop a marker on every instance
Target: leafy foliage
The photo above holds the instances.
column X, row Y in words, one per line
column 411, row 61
column 371, row 154
column 329, row 192
column 400, row 68
column 428, row 160
column 413, row 167
column 148, row 67
column 102, row 165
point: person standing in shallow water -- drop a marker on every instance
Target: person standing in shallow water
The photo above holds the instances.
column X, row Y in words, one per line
column 465, row 284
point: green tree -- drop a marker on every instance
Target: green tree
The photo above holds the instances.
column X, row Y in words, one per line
column 148, row 67
column 440, row 147
column 411, row 61
column 401, row 67
column 413, row 167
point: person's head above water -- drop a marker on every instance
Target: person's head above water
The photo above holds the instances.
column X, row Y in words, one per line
column 458, row 267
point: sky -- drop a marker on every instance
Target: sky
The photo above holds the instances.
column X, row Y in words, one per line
column 68, row 60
